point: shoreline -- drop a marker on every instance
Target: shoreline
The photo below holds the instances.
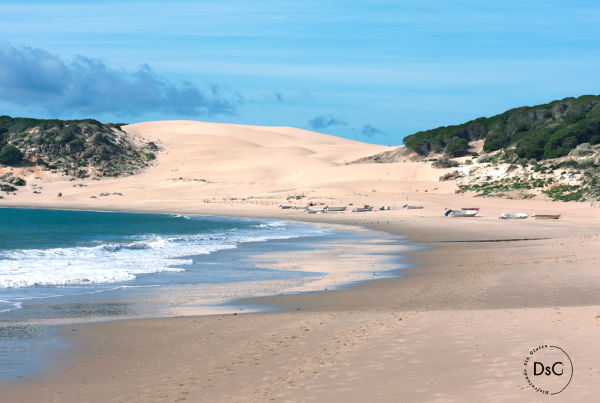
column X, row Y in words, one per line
column 344, row 226
column 423, row 240
column 196, row 305
column 489, row 288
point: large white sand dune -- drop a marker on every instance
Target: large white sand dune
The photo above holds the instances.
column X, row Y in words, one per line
column 202, row 161
column 260, row 160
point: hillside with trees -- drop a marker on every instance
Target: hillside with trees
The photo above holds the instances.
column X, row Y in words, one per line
column 538, row 132
column 78, row 148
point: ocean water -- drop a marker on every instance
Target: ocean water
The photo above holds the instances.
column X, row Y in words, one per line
column 60, row 266
column 84, row 248
column 66, row 267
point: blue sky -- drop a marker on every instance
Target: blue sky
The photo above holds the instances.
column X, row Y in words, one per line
column 371, row 70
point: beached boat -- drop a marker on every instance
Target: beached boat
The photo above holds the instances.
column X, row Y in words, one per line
column 546, row 216
column 338, row 208
column 362, row 209
column 513, row 216
column 461, row 213
column 316, row 211
column 409, row 207
column 285, row 207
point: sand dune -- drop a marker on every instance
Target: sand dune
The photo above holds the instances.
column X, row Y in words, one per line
column 264, row 157
column 209, row 160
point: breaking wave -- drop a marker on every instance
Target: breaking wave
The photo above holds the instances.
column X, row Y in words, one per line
column 115, row 262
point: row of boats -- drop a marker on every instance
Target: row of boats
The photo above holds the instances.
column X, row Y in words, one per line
column 473, row 211
column 326, row 209
column 312, row 210
column 461, row 212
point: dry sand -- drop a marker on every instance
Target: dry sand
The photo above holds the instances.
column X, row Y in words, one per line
column 456, row 327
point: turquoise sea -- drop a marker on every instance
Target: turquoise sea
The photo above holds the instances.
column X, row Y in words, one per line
column 85, row 249
column 60, row 266
column 63, row 267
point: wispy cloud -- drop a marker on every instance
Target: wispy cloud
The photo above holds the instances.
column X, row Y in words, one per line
column 370, row 131
column 325, row 121
column 37, row 78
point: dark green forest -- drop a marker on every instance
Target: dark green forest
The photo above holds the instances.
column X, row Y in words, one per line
column 536, row 132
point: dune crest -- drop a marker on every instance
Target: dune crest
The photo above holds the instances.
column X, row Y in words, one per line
column 268, row 159
column 202, row 161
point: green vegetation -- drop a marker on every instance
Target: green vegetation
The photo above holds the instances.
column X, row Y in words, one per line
column 498, row 188
column 582, row 150
column 10, row 155
column 562, row 180
column 573, row 164
column 445, row 163
column 7, row 188
column 457, row 147
column 487, row 158
column 565, row 193
column 538, row 132
column 78, row 148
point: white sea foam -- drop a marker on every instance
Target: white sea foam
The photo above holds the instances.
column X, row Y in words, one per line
column 6, row 306
column 271, row 224
column 118, row 262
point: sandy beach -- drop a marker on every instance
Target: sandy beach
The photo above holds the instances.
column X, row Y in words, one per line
column 456, row 326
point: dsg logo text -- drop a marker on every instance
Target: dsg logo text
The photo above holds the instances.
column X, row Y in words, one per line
column 548, row 369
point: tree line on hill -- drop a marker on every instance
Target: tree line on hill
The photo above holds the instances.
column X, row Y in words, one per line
column 538, row 132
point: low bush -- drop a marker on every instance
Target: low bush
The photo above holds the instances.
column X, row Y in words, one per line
column 445, row 163
column 10, row 155
column 565, row 193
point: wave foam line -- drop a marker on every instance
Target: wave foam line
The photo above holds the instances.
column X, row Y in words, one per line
column 121, row 262
column 13, row 306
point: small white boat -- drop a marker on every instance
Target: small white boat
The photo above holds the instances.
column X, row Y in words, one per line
column 408, row 207
column 461, row 213
column 362, row 209
column 546, row 216
column 513, row 216
column 316, row 211
column 334, row 208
